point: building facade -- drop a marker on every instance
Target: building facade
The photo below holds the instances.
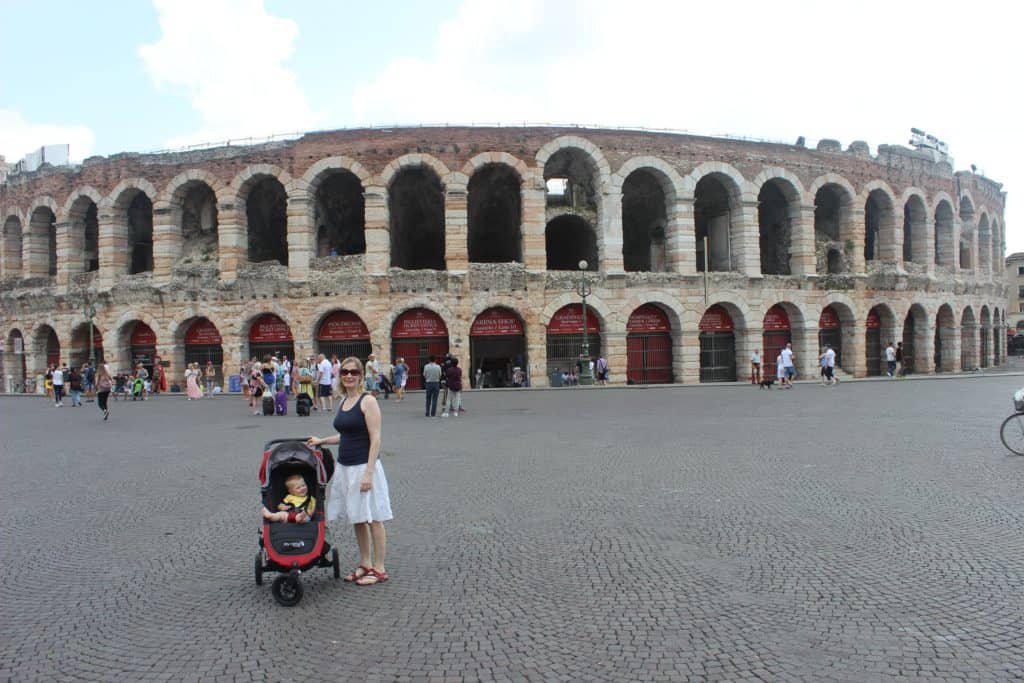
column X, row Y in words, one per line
column 412, row 241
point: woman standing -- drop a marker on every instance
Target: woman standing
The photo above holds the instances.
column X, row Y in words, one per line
column 192, row 382
column 104, row 384
column 360, row 488
column 335, row 380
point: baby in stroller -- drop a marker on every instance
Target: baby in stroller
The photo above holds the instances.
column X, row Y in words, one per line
column 297, row 506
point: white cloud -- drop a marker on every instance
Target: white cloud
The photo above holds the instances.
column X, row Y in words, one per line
column 769, row 70
column 18, row 137
column 228, row 57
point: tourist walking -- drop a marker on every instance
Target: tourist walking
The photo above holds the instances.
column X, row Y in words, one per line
column 789, row 368
column 89, row 381
column 454, row 375
column 830, row 365
column 74, row 381
column 359, row 489
column 432, row 383
column 57, row 378
column 900, row 362
column 890, row 359
column 210, row 375
column 324, row 375
column 104, row 384
column 401, row 377
column 192, row 382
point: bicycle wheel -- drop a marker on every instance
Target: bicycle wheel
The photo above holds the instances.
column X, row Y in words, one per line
column 1012, row 433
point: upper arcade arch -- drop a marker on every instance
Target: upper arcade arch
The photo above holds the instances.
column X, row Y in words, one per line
column 13, row 243
column 780, row 200
column 416, row 215
column 916, row 246
column 494, row 213
column 192, row 201
column 879, row 203
column 717, row 216
column 129, row 211
column 40, row 249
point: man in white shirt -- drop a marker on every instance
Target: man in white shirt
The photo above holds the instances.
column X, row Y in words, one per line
column 890, row 359
column 58, row 387
column 789, row 369
column 830, row 365
column 323, row 378
column 755, row 367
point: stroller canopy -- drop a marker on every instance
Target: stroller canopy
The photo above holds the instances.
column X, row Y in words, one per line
column 294, row 452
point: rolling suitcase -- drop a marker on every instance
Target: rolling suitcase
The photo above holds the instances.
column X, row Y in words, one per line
column 268, row 405
column 302, row 405
column 281, row 403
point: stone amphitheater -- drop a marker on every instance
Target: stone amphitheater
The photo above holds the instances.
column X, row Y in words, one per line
column 412, row 241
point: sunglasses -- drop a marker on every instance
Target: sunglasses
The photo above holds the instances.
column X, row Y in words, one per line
column 352, row 372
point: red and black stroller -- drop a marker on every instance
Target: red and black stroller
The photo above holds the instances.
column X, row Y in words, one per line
column 292, row 548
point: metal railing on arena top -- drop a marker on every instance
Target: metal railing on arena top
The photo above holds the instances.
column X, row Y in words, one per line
column 280, row 137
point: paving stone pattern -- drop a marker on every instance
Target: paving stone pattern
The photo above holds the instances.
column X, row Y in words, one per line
column 863, row 532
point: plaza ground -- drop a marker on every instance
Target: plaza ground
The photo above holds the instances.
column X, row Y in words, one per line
column 865, row 531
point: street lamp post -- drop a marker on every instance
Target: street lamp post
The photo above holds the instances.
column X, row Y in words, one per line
column 583, row 289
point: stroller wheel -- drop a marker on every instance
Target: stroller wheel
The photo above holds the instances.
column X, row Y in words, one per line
column 259, row 569
column 287, row 590
column 336, row 561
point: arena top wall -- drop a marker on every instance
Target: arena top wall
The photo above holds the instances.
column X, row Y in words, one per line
column 450, row 223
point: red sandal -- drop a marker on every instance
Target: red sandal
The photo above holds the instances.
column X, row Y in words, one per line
column 355, row 575
column 376, row 576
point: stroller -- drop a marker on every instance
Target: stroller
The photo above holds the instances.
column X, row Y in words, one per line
column 292, row 548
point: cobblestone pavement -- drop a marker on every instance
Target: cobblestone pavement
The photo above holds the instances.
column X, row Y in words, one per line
column 867, row 531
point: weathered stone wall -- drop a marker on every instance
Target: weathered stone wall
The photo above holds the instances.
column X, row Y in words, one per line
column 217, row 281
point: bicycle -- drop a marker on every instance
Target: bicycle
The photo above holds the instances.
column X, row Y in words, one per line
column 1011, row 432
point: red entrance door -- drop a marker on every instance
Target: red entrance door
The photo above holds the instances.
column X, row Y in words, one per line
column 416, row 335
column 776, row 335
column 648, row 347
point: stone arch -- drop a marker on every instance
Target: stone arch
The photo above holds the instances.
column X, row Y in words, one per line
column 130, row 207
column 416, row 212
column 609, row 318
column 395, row 166
column 946, row 248
column 718, row 198
column 484, row 158
column 944, row 359
column 586, row 146
column 916, row 340
column 969, row 337
column 780, row 199
column 649, row 223
column 67, row 211
column 440, row 310
column 915, row 227
column 879, row 202
column 307, row 184
column 259, row 196
column 177, row 186
column 833, row 199
column 494, row 211
column 13, row 246
column 240, row 330
column 40, row 250
column 37, row 347
column 178, row 325
column 997, row 248
column 984, row 242
column 81, row 212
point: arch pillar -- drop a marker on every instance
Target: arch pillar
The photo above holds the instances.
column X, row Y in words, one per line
column 537, row 352
column 300, row 238
column 69, row 259
column 456, row 229
column 682, row 240
column 957, row 233
column 614, row 352
column 375, row 229
column 232, row 248
column 746, row 247
column 686, row 355
column 805, row 345
column 534, row 201
column 858, row 231
column 610, row 237
column 924, row 349
column 951, row 355
column 167, row 244
column 930, row 247
column 803, row 259
column 852, row 361
column 747, row 340
column 113, row 241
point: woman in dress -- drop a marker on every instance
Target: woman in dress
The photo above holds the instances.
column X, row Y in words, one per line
column 360, row 489
column 192, row 382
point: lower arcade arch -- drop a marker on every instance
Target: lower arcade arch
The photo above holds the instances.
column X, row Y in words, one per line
column 968, row 340
column 915, row 340
column 984, row 337
column 343, row 334
column 269, row 336
column 80, row 350
column 203, row 344
column 717, row 345
column 416, row 335
column 830, row 332
column 879, row 332
column 649, row 346
column 945, row 330
column 14, row 369
column 565, row 341
column 497, row 349
column 46, row 347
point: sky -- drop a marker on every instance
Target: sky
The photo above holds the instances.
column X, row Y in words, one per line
column 134, row 75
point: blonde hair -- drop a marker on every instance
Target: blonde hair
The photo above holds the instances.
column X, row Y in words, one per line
column 362, row 372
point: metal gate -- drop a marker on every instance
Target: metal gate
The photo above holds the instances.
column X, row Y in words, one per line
column 984, row 347
column 564, row 350
column 649, row 359
column 773, row 343
column 937, row 359
column 717, row 357
column 417, row 353
column 909, row 355
column 260, row 350
column 203, row 353
column 873, row 352
column 343, row 349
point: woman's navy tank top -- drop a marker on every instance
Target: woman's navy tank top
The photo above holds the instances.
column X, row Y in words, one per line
column 354, row 448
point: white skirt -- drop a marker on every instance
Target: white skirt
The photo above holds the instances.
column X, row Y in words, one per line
column 346, row 500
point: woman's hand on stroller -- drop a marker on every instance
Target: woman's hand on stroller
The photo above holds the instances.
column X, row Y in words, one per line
column 313, row 441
